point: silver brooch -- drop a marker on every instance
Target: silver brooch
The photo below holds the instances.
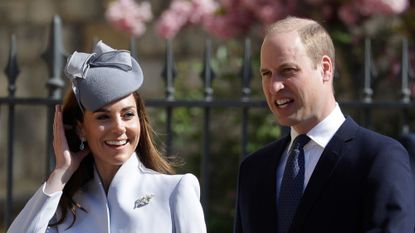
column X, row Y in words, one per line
column 142, row 201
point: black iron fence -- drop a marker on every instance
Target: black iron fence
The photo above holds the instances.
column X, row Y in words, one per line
column 54, row 57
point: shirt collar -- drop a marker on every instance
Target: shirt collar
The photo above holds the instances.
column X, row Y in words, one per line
column 324, row 131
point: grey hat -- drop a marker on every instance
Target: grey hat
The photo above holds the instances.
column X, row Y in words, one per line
column 103, row 76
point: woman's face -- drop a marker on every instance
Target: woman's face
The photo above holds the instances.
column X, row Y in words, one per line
column 112, row 132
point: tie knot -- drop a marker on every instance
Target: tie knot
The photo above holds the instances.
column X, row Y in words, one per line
column 300, row 141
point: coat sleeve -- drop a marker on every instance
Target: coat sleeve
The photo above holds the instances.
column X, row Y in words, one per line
column 390, row 197
column 187, row 211
column 38, row 211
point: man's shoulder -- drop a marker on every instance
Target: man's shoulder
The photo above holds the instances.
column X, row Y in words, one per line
column 366, row 137
column 370, row 135
column 353, row 129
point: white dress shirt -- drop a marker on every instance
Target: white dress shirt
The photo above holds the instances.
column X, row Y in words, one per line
column 138, row 200
column 320, row 136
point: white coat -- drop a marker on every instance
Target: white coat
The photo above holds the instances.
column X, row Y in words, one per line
column 138, row 200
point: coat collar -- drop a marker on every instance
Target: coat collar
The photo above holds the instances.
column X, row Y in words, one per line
column 124, row 183
column 123, row 175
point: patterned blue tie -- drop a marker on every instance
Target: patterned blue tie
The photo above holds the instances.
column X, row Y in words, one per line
column 292, row 184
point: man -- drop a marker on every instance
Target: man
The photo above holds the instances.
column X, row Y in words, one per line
column 350, row 179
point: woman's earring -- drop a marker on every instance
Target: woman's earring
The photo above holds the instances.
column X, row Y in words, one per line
column 82, row 146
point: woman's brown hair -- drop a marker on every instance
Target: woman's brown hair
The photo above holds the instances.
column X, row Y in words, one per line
column 146, row 151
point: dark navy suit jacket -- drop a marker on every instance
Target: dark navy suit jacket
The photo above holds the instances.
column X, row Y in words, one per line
column 362, row 183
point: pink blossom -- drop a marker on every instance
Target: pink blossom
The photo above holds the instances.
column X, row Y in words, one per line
column 351, row 12
column 348, row 14
column 251, row 4
column 238, row 16
column 270, row 10
column 369, row 7
column 129, row 16
column 230, row 24
column 200, row 9
column 268, row 13
column 228, row 4
column 181, row 13
column 173, row 19
column 327, row 11
column 315, row 2
column 233, row 17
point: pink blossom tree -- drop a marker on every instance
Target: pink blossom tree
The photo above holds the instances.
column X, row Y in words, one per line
column 129, row 16
column 231, row 18
column 182, row 13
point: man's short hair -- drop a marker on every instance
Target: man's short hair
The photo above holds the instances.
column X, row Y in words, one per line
column 315, row 38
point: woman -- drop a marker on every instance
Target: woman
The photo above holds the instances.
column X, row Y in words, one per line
column 109, row 177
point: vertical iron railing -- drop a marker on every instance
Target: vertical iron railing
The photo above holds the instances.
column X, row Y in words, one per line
column 54, row 57
column 12, row 71
column 246, row 76
column 405, row 91
column 207, row 76
column 367, row 85
column 169, row 74
column 133, row 48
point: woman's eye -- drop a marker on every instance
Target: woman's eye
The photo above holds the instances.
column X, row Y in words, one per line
column 129, row 115
column 101, row 117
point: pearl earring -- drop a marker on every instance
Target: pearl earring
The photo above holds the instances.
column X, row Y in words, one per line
column 82, row 146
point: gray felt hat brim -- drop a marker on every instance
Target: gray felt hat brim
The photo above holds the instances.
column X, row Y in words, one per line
column 103, row 77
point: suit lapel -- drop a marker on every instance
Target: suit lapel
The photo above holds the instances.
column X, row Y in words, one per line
column 267, row 185
column 329, row 159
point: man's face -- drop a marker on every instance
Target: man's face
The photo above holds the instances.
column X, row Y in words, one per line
column 296, row 90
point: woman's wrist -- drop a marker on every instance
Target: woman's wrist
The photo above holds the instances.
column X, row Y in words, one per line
column 57, row 180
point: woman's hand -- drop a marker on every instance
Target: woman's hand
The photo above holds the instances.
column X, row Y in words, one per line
column 66, row 161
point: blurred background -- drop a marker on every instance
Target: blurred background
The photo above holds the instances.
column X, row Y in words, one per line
column 375, row 57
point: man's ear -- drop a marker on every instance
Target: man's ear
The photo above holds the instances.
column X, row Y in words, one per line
column 327, row 68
